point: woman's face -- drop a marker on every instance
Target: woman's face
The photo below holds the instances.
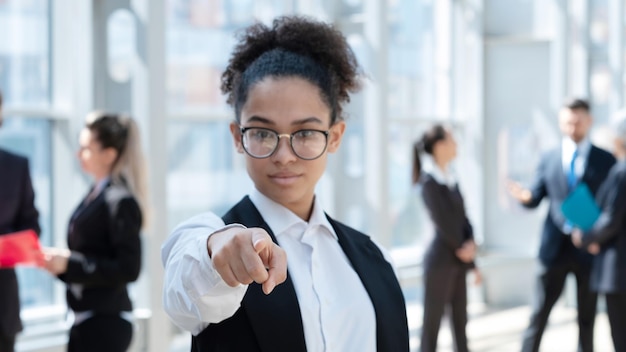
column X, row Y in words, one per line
column 287, row 105
column 94, row 160
column 445, row 149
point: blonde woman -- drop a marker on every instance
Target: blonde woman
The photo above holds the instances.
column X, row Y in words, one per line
column 104, row 249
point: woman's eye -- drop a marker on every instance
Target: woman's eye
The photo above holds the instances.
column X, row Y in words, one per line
column 304, row 134
column 261, row 134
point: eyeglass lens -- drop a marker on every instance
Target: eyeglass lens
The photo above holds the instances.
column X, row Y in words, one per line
column 262, row 142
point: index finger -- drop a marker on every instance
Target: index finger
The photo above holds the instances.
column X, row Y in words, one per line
column 277, row 269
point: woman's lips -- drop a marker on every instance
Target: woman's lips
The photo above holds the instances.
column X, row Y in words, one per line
column 284, row 178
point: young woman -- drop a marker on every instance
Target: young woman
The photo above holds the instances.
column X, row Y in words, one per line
column 282, row 275
column 452, row 250
column 104, row 249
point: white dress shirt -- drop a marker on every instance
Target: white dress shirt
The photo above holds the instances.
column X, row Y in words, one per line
column 443, row 178
column 568, row 147
column 337, row 313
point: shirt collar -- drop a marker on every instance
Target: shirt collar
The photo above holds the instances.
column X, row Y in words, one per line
column 568, row 146
column 281, row 219
column 99, row 186
column 441, row 177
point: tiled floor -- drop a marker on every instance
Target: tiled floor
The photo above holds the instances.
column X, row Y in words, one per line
column 500, row 330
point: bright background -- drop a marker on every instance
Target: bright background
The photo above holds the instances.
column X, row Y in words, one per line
column 495, row 70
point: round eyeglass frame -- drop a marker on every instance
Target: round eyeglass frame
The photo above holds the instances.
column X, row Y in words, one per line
column 243, row 130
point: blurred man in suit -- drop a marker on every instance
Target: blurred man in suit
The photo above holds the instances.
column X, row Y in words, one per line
column 575, row 161
column 17, row 212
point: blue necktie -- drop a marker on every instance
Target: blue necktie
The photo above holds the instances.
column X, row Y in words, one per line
column 571, row 175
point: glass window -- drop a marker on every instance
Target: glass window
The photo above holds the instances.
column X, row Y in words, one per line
column 199, row 38
column 24, row 53
column 600, row 78
column 419, row 69
column 410, row 223
column 202, row 170
column 411, row 59
column 121, row 44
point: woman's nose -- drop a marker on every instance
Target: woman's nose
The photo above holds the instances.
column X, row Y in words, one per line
column 284, row 150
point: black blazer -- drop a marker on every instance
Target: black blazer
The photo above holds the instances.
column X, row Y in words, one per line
column 106, row 252
column 17, row 212
column 273, row 323
column 551, row 182
column 446, row 208
column 608, row 273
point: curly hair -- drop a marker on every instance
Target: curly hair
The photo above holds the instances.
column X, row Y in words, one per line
column 294, row 46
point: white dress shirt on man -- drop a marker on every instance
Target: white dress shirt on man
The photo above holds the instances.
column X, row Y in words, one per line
column 568, row 147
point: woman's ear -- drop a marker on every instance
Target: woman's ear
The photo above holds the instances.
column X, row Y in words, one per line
column 110, row 155
column 335, row 135
column 236, row 133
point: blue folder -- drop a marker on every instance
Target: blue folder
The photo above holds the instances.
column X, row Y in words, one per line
column 580, row 208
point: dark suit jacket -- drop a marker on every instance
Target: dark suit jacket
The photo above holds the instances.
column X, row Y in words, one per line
column 446, row 208
column 551, row 182
column 106, row 252
column 17, row 212
column 608, row 274
column 273, row 323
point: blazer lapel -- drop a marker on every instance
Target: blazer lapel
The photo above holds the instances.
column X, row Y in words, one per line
column 589, row 166
column 275, row 318
column 381, row 284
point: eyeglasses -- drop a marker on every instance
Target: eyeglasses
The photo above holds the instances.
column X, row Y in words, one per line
column 261, row 142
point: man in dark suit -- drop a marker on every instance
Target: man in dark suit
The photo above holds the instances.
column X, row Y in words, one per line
column 576, row 160
column 17, row 212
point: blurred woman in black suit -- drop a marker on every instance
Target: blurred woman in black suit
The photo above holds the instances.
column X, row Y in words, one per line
column 451, row 253
column 606, row 240
column 104, row 249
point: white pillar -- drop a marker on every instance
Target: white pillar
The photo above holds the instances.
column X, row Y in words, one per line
column 148, row 103
column 579, row 72
column 559, row 65
column 376, row 119
column 616, row 54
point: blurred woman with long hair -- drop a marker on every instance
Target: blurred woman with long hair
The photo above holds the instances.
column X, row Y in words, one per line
column 104, row 247
column 452, row 250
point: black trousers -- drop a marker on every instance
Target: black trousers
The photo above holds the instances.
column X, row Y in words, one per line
column 616, row 310
column 444, row 288
column 101, row 334
column 549, row 285
column 7, row 342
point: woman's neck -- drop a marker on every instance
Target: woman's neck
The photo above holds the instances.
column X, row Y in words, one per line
column 442, row 165
column 99, row 178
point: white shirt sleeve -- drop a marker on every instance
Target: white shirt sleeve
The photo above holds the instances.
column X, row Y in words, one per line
column 194, row 294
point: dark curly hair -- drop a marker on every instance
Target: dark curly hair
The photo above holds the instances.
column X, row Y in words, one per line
column 293, row 46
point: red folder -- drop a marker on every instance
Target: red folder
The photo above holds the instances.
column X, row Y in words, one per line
column 20, row 248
